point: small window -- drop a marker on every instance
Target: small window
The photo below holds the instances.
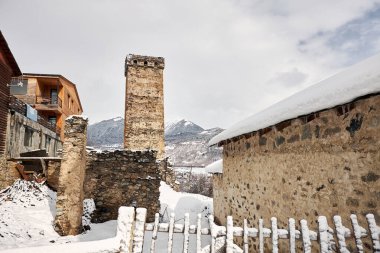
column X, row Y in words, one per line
column 52, row 120
column 69, row 101
column 28, row 137
column 47, row 143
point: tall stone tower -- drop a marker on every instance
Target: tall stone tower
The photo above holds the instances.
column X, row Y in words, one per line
column 144, row 104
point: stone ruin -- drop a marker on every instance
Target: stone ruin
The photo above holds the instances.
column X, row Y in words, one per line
column 129, row 177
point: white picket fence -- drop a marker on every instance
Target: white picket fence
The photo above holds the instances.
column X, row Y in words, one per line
column 132, row 227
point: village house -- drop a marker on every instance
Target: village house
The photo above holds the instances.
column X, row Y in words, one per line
column 53, row 96
column 314, row 153
column 8, row 69
column 24, row 131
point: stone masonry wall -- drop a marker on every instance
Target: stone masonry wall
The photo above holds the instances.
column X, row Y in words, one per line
column 325, row 163
column 68, row 220
column 8, row 172
column 122, row 178
column 144, row 104
column 41, row 137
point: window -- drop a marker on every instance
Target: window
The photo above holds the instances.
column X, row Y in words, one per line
column 28, row 137
column 69, row 101
column 47, row 143
column 52, row 120
column 54, row 96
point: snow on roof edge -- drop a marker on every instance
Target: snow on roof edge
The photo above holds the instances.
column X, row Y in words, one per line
column 355, row 81
column 215, row 167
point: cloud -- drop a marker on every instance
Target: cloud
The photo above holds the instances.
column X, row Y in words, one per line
column 223, row 57
column 289, row 78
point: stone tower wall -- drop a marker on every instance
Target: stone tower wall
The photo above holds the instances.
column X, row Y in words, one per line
column 144, row 104
column 68, row 220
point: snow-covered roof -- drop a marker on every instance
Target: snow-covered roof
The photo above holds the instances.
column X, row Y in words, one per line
column 358, row 80
column 215, row 167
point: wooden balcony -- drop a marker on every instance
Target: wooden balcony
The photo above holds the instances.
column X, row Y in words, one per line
column 20, row 107
column 48, row 104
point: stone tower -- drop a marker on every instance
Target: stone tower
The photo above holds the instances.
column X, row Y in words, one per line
column 144, row 104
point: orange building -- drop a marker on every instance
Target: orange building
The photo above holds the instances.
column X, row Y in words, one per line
column 53, row 96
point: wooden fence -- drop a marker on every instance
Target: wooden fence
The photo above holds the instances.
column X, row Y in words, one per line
column 132, row 230
column 132, row 227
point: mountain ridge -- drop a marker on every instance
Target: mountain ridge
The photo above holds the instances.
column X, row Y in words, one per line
column 186, row 143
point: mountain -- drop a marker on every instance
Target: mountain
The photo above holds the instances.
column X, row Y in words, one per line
column 186, row 143
column 180, row 127
column 106, row 134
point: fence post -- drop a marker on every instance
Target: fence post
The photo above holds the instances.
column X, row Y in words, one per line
column 245, row 235
column 230, row 235
column 305, row 237
column 154, row 234
column 357, row 233
column 125, row 223
column 374, row 230
column 274, row 235
column 186, row 234
column 171, row 228
column 324, row 239
column 138, row 235
column 292, row 235
column 213, row 233
column 199, row 230
column 340, row 233
column 261, row 236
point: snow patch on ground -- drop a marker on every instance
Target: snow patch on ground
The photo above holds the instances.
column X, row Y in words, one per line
column 181, row 203
column 27, row 211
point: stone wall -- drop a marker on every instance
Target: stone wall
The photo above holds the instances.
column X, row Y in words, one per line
column 167, row 174
column 68, row 220
column 144, row 104
column 39, row 136
column 122, row 178
column 325, row 163
column 8, row 172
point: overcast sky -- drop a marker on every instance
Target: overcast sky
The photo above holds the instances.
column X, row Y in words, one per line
column 225, row 59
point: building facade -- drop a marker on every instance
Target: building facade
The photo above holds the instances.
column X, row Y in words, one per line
column 53, row 96
column 8, row 69
column 322, row 162
column 144, row 104
column 25, row 134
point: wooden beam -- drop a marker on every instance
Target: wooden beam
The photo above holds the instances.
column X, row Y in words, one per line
column 35, row 159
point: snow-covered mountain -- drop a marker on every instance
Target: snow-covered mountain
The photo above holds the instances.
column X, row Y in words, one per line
column 181, row 126
column 106, row 134
column 186, row 142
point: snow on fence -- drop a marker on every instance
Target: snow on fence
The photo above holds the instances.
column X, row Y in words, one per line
column 225, row 234
column 131, row 228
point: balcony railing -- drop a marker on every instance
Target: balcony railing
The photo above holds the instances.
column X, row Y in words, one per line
column 17, row 105
column 48, row 101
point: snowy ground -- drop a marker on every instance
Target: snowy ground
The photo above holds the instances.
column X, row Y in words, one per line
column 27, row 211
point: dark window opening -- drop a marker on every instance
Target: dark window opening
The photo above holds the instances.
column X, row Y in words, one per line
column 28, row 137
column 52, row 120
column 47, row 143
